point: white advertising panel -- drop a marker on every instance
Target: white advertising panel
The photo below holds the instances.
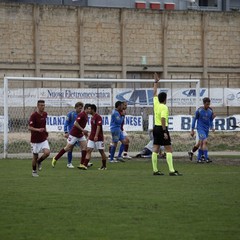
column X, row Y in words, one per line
column 184, row 123
column 132, row 123
column 187, row 97
column 55, row 97
column 106, row 97
column 232, row 97
column 135, row 123
column 68, row 97
column 180, row 97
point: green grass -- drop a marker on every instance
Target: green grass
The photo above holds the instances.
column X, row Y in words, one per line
column 225, row 147
column 124, row 202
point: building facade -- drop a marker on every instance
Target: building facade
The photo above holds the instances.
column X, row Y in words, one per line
column 202, row 5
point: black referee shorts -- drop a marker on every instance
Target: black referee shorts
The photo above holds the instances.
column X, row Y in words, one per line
column 158, row 136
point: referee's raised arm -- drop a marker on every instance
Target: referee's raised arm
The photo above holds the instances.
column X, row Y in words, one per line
column 156, row 78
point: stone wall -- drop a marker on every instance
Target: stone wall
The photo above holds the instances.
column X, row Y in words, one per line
column 17, row 39
column 88, row 42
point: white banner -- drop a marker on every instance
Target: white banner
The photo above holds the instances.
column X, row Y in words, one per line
column 132, row 123
column 102, row 97
column 184, row 123
column 232, row 97
column 180, row 97
column 19, row 97
column 68, row 97
column 55, row 97
column 135, row 123
column 187, row 97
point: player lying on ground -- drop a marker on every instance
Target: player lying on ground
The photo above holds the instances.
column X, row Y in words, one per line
column 147, row 150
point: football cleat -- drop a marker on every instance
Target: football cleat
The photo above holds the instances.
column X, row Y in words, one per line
column 127, row 157
column 120, row 159
column 158, row 173
column 175, row 173
column 113, row 161
column 69, row 165
column 82, row 167
column 35, row 174
column 208, row 160
column 54, row 161
column 102, row 168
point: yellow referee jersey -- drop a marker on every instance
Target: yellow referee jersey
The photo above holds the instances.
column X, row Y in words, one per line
column 160, row 111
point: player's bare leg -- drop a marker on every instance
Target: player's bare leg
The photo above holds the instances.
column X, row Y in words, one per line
column 34, row 165
column 84, row 165
column 83, row 146
column 194, row 149
column 67, row 148
column 104, row 160
column 126, row 146
column 46, row 153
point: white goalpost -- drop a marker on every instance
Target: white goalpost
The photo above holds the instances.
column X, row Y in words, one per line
column 111, row 82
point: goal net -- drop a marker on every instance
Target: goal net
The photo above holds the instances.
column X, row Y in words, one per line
column 19, row 97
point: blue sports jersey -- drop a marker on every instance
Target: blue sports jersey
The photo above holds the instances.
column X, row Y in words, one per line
column 70, row 119
column 204, row 119
column 116, row 120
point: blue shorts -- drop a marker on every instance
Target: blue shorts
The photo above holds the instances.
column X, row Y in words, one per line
column 117, row 135
column 202, row 134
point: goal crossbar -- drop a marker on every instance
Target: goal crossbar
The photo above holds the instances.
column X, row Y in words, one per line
column 101, row 80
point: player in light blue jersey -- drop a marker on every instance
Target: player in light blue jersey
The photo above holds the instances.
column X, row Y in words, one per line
column 204, row 117
column 126, row 146
column 117, row 134
column 70, row 119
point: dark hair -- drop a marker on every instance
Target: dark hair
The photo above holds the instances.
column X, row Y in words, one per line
column 162, row 96
column 118, row 103
column 206, row 100
column 79, row 104
column 41, row 101
column 87, row 105
column 93, row 107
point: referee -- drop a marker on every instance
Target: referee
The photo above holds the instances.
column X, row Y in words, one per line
column 161, row 135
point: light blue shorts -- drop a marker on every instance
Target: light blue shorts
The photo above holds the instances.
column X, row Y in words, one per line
column 202, row 134
column 117, row 135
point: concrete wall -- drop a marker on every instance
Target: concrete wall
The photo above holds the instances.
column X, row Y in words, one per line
column 85, row 42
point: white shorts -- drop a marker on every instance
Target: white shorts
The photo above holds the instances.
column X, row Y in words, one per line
column 77, row 144
column 72, row 140
column 97, row 145
column 38, row 147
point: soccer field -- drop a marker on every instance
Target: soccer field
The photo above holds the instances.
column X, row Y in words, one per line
column 124, row 202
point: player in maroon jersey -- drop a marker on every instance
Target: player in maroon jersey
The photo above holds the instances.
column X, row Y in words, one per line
column 39, row 134
column 77, row 133
column 96, row 139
